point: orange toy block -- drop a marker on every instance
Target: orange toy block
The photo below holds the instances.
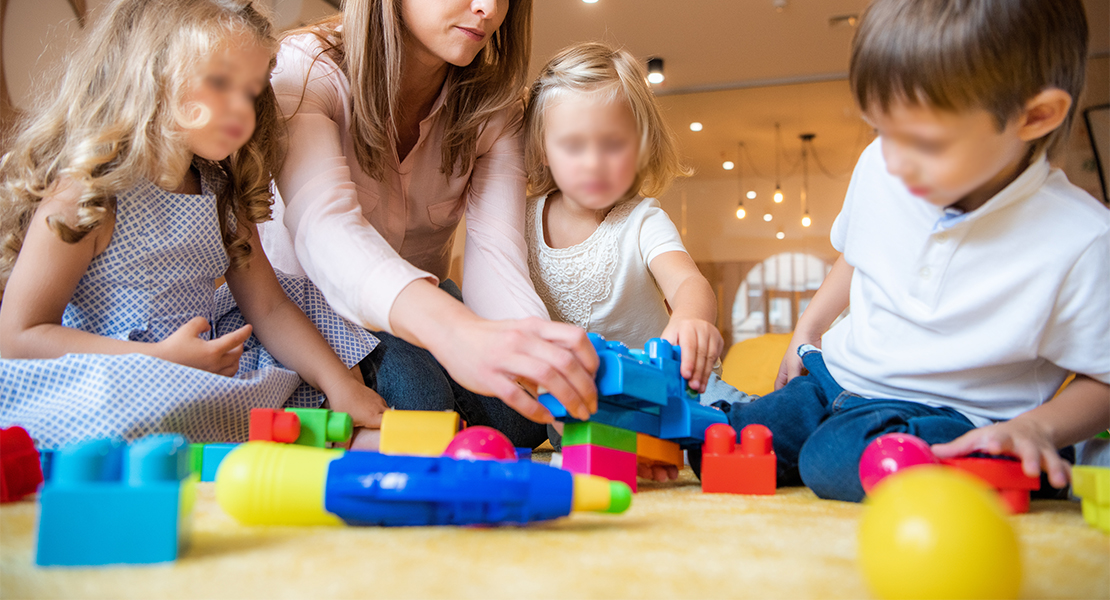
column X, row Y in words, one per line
column 654, row 451
column 749, row 469
column 274, row 425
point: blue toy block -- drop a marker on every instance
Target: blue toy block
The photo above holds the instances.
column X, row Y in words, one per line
column 524, row 454
column 110, row 503
column 643, row 391
column 212, row 456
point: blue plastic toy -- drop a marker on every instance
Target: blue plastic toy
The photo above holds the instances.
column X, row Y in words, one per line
column 211, row 457
column 263, row 483
column 110, row 503
column 643, row 391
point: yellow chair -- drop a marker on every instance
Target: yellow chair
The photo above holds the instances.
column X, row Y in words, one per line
column 751, row 365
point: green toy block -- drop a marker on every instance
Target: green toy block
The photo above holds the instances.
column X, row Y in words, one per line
column 1092, row 484
column 320, row 426
column 196, row 457
column 599, row 434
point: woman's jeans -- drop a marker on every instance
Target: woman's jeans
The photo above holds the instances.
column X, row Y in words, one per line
column 410, row 378
column 820, row 430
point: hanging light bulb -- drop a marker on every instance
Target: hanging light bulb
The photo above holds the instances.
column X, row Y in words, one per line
column 806, row 221
column 778, row 183
column 655, row 70
column 740, row 212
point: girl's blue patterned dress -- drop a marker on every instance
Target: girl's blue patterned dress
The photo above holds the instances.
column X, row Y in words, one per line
column 156, row 274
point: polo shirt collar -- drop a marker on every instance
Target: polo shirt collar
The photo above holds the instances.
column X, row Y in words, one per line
column 1026, row 184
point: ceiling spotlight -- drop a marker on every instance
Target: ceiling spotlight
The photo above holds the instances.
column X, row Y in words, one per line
column 767, row 217
column 590, row 1
column 655, row 70
column 780, row 235
column 740, row 212
column 728, row 165
column 751, row 194
column 806, row 221
column 695, row 126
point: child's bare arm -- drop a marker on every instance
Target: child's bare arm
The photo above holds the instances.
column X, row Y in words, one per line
column 1079, row 412
column 830, row 300
column 44, row 279
column 291, row 337
column 693, row 313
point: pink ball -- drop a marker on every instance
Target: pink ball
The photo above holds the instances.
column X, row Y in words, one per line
column 480, row 443
column 890, row 453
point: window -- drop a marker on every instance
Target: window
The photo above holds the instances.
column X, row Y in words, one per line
column 775, row 293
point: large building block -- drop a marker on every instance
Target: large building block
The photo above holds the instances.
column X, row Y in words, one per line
column 417, row 432
column 656, row 452
column 1004, row 475
column 599, row 434
column 749, row 469
column 1092, row 484
column 211, row 457
column 109, row 503
column 319, row 426
column 20, row 465
column 643, row 391
column 274, row 425
column 614, row 465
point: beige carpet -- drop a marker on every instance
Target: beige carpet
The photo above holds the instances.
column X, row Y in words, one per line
column 673, row 542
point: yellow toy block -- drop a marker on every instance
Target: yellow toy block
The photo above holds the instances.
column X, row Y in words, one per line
column 654, row 451
column 417, row 432
column 1092, row 484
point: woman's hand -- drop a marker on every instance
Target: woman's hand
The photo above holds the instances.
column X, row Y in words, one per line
column 220, row 356
column 496, row 358
column 701, row 346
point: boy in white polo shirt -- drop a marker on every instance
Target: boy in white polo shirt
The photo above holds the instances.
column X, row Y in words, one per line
column 977, row 276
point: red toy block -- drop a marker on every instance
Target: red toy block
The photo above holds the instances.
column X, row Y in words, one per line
column 614, row 465
column 1003, row 475
column 749, row 469
column 271, row 425
column 20, row 469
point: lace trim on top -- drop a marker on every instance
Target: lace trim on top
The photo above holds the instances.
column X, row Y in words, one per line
column 571, row 280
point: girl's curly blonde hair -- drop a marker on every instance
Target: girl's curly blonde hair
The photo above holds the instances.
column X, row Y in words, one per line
column 598, row 69
column 120, row 116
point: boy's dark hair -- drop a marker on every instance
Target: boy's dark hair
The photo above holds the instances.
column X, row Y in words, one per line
column 967, row 54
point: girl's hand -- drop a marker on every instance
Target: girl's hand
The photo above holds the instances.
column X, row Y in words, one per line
column 1021, row 438
column 220, row 356
column 350, row 395
column 701, row 345
column 791, row 365
column 495, row 358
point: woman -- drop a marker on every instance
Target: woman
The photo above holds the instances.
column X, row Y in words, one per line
column 399, row 122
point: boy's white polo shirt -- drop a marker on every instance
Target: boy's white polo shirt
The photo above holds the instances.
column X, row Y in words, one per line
column 985, row 312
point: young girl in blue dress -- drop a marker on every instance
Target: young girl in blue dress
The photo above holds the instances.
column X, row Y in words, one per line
column 123, row 199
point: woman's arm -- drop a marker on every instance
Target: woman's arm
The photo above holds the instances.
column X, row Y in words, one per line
column 43, row 281
column 497, row 284
column 830, row 300
column 693, row 312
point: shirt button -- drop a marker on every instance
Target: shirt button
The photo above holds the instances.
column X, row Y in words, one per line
column 925, row 272
column 941, row 238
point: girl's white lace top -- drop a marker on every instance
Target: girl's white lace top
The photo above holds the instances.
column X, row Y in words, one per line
column 604, row 284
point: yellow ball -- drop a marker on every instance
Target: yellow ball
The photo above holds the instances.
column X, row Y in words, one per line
column 936, row 532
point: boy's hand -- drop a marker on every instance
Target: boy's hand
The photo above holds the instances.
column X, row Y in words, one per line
column 1021, row 438
column 220, row 356
column 701, row 345
column 791, row 365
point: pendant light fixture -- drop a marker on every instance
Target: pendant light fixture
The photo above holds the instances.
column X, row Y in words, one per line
column 778, row 182
column 740, row 211
column 807, row 142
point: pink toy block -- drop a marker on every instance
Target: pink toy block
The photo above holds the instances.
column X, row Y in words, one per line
column 749, row 469
column 614, row 465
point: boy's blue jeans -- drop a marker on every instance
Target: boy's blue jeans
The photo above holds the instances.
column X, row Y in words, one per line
column 820, row 430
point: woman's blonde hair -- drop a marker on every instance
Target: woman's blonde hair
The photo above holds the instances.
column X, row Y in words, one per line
column 120, row 115
column 367, row 42
column 614, row 75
